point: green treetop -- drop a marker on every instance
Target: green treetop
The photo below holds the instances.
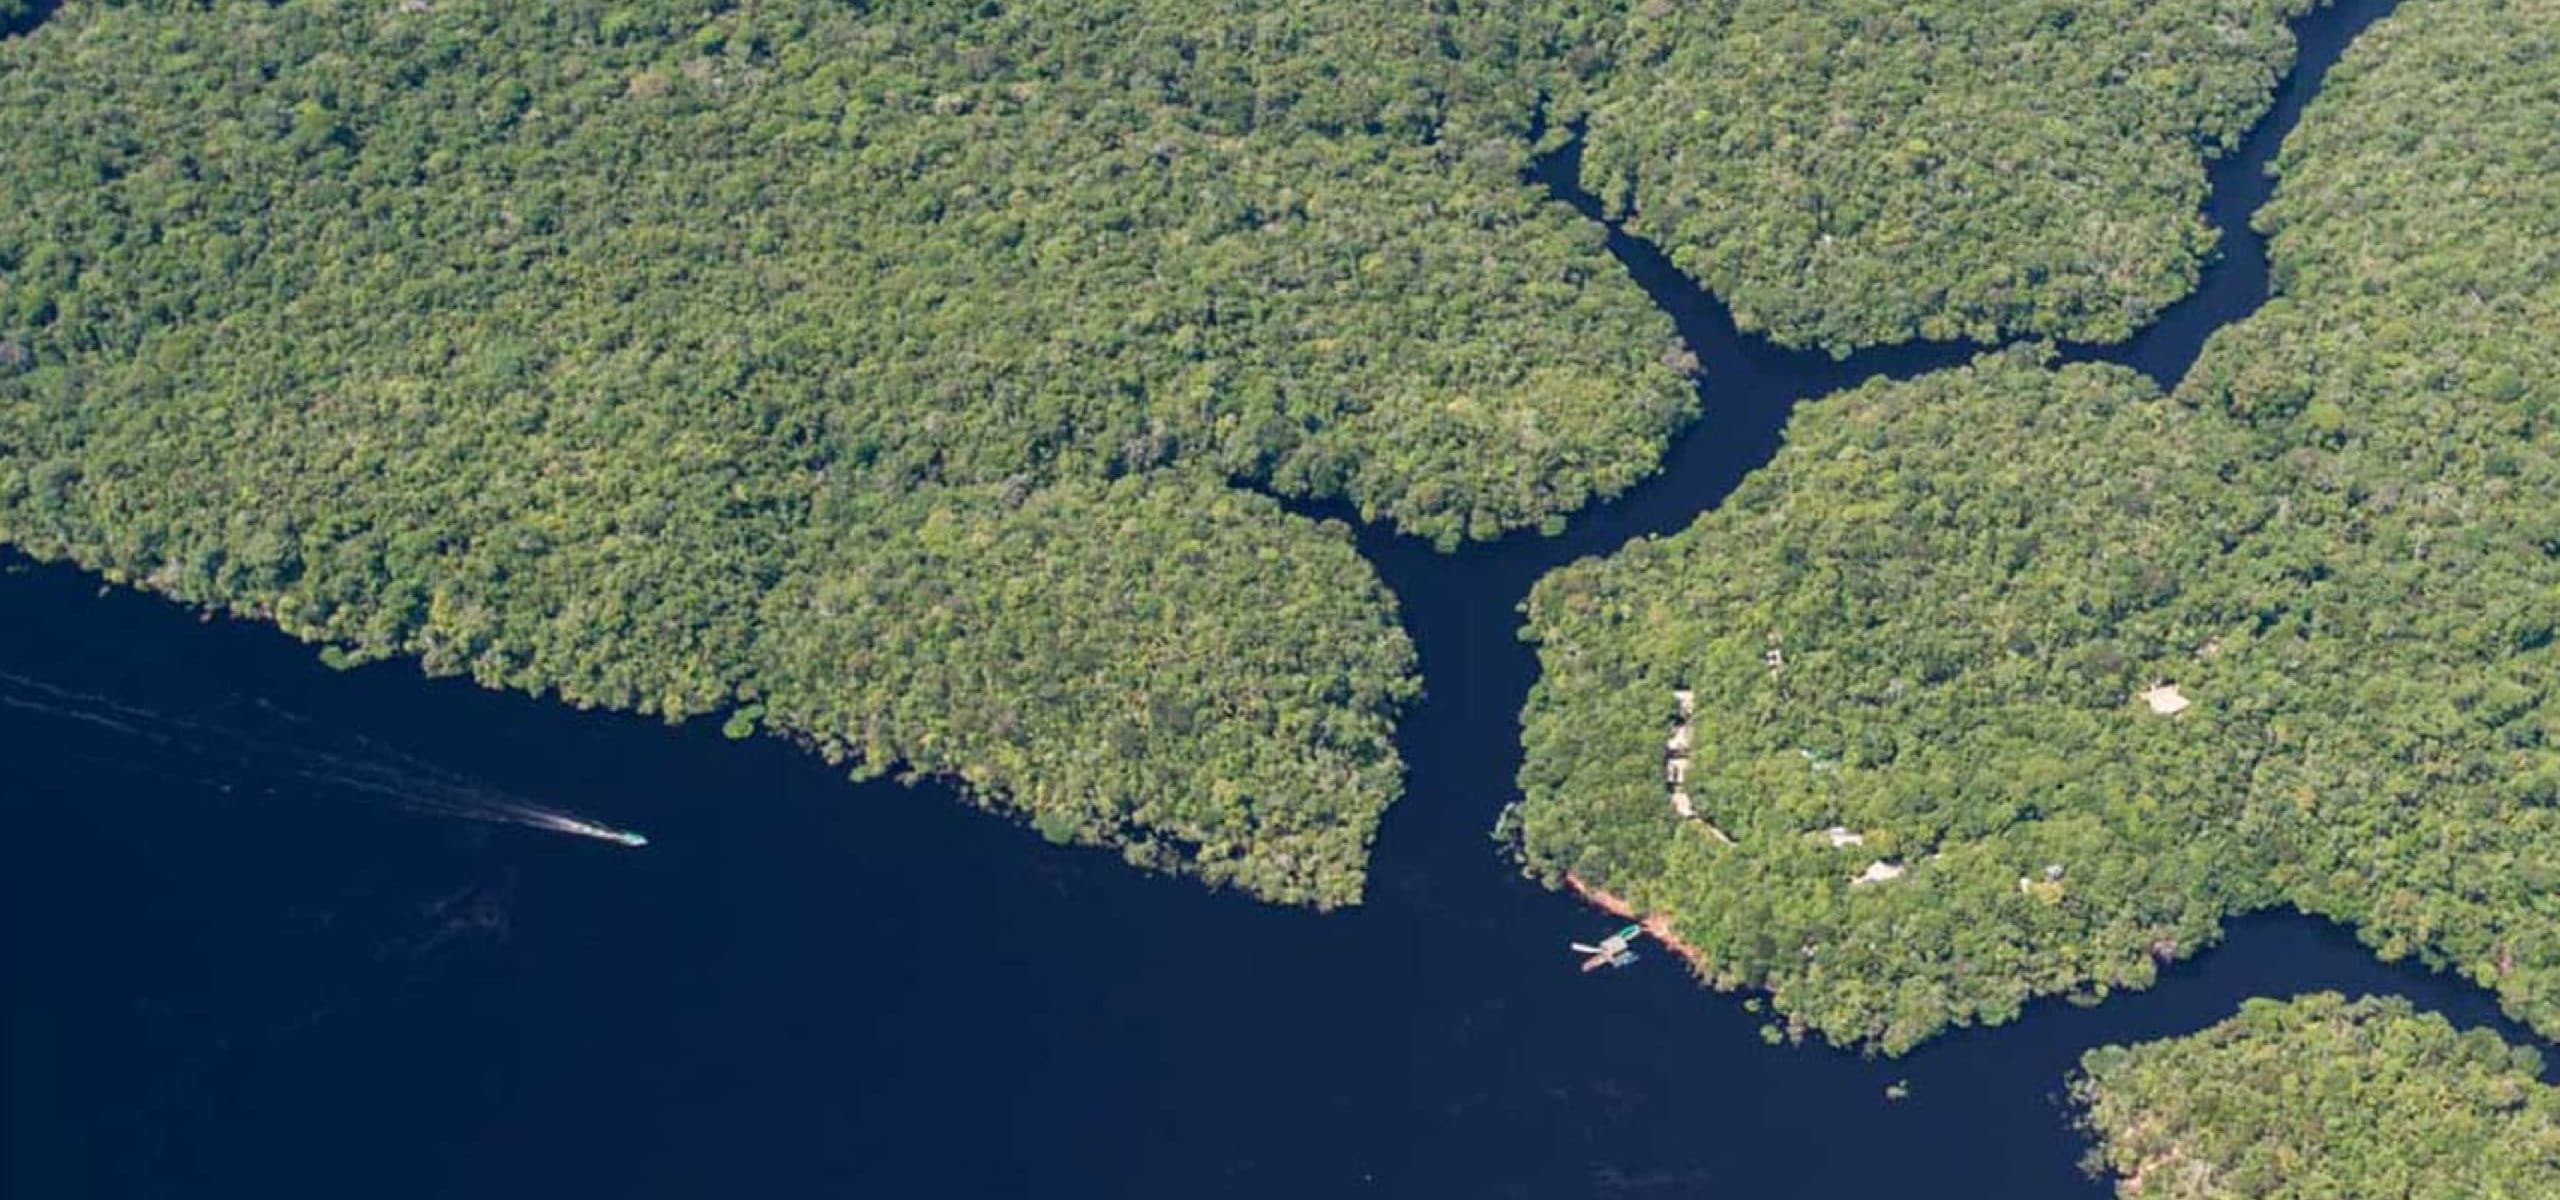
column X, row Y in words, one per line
column 1937, row 620
column 2320, row 1098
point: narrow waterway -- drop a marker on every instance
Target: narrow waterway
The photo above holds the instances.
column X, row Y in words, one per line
column 231, row 979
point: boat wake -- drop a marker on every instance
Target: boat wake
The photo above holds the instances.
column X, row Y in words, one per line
column 270, row 764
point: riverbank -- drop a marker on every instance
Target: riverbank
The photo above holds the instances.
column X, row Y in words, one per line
column 1658, row 925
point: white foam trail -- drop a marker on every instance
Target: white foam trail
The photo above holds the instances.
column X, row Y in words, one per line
column 383, row 774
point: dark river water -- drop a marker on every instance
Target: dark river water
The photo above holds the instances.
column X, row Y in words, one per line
column 239, row 966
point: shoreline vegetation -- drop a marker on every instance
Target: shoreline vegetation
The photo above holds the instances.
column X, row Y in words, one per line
column 637, row 353
column 2086, row 668
column 2322, row 1097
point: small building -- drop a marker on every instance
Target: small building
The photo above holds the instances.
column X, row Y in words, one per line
column 1676, row 772
column 2165, row 700
column 1879, row 871
column 1681, row 804
column 1842, row 837
column 1679, row 743
column 1687, row 700
column 2047, row 889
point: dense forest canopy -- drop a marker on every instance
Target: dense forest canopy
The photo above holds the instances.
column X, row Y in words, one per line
column 1923, row 624
column 1291, row 246
column 1929, row 621
column 645, row 352
column 2319, row 1098
column 2403, row 393
column 1851, row 172
column 885, row 377
column 650, row 352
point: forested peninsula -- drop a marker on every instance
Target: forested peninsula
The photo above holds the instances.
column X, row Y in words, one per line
column 2014, row 680
column 1846, row 173
column 2320, row 1098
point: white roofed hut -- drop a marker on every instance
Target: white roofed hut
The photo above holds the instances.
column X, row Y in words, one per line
column 1878, row 871
column 2166, row 700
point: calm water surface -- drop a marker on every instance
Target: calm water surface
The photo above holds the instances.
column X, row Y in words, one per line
column 231, row 976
